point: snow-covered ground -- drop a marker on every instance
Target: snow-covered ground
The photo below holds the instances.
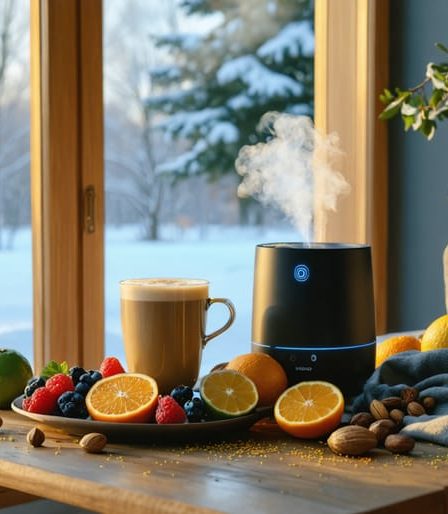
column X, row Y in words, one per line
column 225, row 257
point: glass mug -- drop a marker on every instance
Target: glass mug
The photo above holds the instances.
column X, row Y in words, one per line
column 163, row 323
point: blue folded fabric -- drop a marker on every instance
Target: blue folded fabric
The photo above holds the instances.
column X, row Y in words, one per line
column 428, row 372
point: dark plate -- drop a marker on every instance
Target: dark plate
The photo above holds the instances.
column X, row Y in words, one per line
column 148, row 432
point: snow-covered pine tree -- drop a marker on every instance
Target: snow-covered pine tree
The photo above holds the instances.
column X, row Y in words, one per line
column 258, row 58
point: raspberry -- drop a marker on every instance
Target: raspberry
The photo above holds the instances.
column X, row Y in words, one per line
column 43, row 401
column 169, row 411
column 111, row 366
column 59, row 384
column 26, row 403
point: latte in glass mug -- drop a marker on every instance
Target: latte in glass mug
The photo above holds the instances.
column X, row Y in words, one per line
column 163, row 322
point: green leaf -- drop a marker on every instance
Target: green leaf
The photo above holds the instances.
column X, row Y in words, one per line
column 442, row 47
column 428, row 129
column 53, row 368
column 394, row 107
column 408, row 122
column 436, row 96
column 386, row 97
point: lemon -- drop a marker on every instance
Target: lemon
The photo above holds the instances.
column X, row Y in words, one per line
column 228, row 394
column 436, row 335
column 15, row 371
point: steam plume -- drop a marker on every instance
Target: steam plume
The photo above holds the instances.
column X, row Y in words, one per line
column 293, row 170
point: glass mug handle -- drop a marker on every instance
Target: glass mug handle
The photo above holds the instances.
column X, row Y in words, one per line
column 231, row 307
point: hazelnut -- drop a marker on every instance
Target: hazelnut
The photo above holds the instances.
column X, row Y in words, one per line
column 409, row 394
column 363, row 419
column 428, row 403
column 35, row 437
column 1, row 422
column 399, row 443
column 382, row 428
column 397, row 415
column 378, row 410
column 415, row 409
column 393, row 402
column 93, row 443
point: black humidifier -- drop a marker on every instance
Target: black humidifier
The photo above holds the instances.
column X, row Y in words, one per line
column 313, row 311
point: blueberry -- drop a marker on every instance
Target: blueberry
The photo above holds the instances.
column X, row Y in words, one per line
column 72, row 405
column 86, row 379
column 75, row 373
column 82, row 388
column 182, row 394
column 95, row 376
column 194, row 409
column 33, row 384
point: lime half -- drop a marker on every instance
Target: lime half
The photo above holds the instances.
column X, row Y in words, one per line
column 228, row 394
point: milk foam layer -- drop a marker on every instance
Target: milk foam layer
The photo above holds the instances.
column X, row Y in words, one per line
column 164, row 289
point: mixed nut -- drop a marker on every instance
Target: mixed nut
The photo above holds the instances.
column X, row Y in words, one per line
column 380, row 425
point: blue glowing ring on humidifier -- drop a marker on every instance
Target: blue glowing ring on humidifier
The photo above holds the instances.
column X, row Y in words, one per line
column 301, row 273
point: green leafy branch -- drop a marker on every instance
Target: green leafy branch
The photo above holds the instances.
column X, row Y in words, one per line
column 420, row 109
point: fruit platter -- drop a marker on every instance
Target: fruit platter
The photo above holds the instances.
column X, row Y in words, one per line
column 128, row 407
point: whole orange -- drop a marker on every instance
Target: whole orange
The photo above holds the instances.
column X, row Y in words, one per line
column 393, row 345
column 266, row 373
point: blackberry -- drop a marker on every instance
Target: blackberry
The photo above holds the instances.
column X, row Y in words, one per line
column 72, row 405
column 33, row 384
column 75, row 373
column 182, row 394
column 194, row 409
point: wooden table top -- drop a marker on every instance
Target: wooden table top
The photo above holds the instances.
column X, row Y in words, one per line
column 264, row 472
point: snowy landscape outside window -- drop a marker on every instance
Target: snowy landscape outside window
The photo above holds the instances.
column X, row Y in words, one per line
column 186, row 83
column 16, row 296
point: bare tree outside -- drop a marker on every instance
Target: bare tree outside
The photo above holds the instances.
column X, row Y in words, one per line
column 14, row 120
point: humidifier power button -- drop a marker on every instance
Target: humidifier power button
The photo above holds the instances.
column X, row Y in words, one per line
column 301, row 273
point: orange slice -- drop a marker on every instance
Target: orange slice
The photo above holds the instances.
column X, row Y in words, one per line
column 123, row 398
column 309, row 409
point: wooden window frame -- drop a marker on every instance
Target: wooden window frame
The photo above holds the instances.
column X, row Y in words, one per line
column 67, row 157
column 66, row 160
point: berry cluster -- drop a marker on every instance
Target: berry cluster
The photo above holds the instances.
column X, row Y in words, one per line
column 180, row 406
column 64, row 391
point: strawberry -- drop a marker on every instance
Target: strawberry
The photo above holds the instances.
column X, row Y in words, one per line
column 111, row 366
column 42, row 401
column 59, row 384
column 169, row 411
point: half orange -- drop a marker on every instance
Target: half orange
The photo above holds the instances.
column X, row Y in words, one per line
column 309, row 409
column 123, row 398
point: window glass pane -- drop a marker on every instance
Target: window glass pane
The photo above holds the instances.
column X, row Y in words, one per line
column 15, row 234
column 186, row 84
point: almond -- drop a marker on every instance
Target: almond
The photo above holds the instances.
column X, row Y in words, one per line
column 35, row 437
column 399, row 443
column 428, row 403
column 382, row 428
column 363, row 419
column 378, row 410
column 397, row 415
column 415, row 409
column 352, row 440
column 93, row 443
column 409, row 394
column 393, row 402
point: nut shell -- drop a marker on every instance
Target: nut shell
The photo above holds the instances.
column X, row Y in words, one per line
column 378, row 410
column 35, row 437
column 382, row 428
column 415, row 409
column 363, row 419
column 352, row 440
column 392, row 402
column 399, row 443
column 1, row 422
column 93, row 443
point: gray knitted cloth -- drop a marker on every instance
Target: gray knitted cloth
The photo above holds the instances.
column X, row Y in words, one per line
column 428, row 372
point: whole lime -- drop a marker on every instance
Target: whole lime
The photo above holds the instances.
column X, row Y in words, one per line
column 15, row 371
